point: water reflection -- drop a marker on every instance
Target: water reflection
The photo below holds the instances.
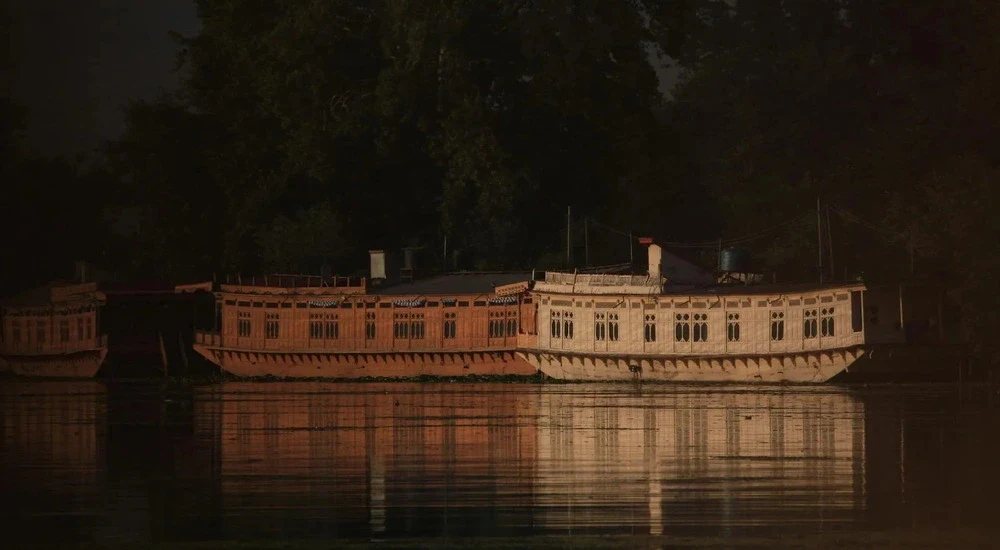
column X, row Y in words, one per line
column 687, row 462
column 345, row 459
column 52, row 454
column 324, row 460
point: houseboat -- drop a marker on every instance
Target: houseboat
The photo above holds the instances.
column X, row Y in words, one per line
column 386, row 326
column 53, row 332
column 72, row 329
column 685, row 327
column 675, row 322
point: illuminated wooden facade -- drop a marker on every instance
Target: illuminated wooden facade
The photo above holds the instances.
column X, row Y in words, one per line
column 54, row 332
column 598, row 327
column 595, row 326
column 337, row 328
column 69, row 330
column 619, row 327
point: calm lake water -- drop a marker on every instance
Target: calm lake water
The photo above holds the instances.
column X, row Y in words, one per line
column 131, row 462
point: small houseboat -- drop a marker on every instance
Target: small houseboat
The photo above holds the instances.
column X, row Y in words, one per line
column 71, row 329
column 53, row 332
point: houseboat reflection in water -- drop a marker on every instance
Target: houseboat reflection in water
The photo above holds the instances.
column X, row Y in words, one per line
column 688, row 462
column 124, row 463
column 490, row 459
column 52, row 455
column 354, row 459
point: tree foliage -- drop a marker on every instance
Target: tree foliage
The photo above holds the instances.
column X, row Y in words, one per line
column 307, row 132
column 416, row 121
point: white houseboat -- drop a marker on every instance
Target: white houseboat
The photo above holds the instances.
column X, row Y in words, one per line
column 674, row 324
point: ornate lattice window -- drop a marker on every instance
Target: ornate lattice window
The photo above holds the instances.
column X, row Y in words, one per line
column 370, row 325
column 242, row 324
column 512, row 323
column 450, row 328
column 332, row 326
column 271, row 325
column 568, row 325
column 613, row 327
column 600, row 327
column 401, row 326
column 826, row 322
column 777, row 326
column 682, row 327
column 700, row 327
column 315, row 326
column 809, row 324
column 417, row 326
column 733, row 327
column 497, row 324
column 649, row 328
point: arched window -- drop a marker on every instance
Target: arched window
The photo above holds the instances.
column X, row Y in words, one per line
column 809, row 323
column 682, row 327
column 733, row 327
column 700, row 327
column 777, row 326
column 370, row 326
column 271, row 326
column 826, row 322
column 449, row 325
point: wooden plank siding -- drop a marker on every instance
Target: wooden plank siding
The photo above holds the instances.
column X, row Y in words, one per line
column 751, row 313
column 353, row 316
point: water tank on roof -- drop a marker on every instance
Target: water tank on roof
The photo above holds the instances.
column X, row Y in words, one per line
column 735, row 260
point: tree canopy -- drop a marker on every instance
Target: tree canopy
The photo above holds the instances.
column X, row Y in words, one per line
column 305, row 133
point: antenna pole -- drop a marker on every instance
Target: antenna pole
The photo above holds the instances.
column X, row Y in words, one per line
column 586, row 242
column 569, row 236
column 829, row 241
column 819, row 237
column 718, row 257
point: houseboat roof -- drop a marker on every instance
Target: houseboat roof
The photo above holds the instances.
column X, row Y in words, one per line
column 455, row 283
column 54, row 291
column 640, row 285
column 756, row 289
column 32, row 297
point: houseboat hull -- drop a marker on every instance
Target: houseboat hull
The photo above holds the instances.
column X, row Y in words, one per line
column 80, row 364
column 798, row 367
column 353, row 365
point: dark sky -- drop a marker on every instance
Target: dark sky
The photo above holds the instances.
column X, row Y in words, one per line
column 75, row 63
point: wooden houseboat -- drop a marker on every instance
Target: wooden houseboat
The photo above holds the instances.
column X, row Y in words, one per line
column 674, row 323
column 338, row 327
column 619, row 327
column 53, row 332
column 71, row 329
